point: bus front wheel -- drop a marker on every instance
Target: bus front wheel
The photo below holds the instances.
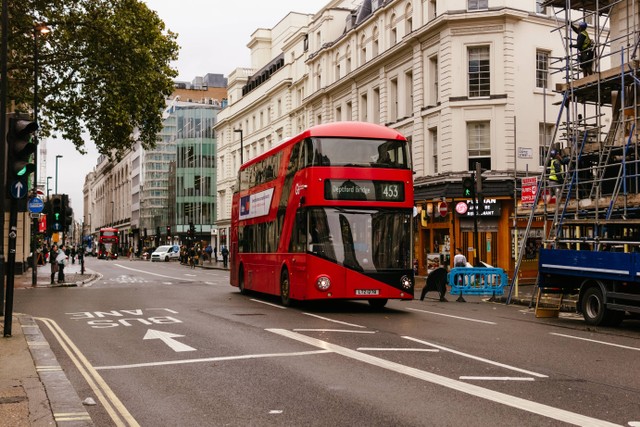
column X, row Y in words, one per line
column 285, row 288
column 378, row 303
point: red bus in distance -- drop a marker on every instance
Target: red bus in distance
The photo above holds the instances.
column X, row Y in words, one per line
column 326, row 214
column 108, row 243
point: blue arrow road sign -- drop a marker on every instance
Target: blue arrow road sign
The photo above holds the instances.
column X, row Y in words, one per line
column 35, row 205
column 18, row 189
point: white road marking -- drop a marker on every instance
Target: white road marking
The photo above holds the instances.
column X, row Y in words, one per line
column 497, row 378
column 471, row 389
column 428, row 350
column 153, row 274
column 480, row 359
column 334, row 321
column 268, row 303
column 210, row 359
column 595, row 341
column 168, row 339
column 114, row 407
column 348, row 331
column 454, row 317
column 191, row 275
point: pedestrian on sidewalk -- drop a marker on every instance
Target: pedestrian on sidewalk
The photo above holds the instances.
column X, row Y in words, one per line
column 215, row 253
column 225, row 256
column 61, row 259
column 53, row 254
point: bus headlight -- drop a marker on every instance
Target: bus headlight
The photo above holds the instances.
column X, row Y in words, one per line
column 323, row 283
column 405, row 282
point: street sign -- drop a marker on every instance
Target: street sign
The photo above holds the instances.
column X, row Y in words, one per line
column 462, row 208
column 35, row 205
column 529, row 188
column 18, row 189
column 443, row 209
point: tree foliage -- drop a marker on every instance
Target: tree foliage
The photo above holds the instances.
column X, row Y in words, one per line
column 104, row 69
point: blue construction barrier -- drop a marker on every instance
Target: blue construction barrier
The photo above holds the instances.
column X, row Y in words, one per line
column 477, row 281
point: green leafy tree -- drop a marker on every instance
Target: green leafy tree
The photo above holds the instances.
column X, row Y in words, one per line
column 104, row 69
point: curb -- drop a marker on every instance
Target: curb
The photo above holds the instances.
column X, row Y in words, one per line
column 65, row 403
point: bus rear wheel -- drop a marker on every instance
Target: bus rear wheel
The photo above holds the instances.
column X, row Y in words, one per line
column 243, row 291
column 285, row 288
column 378, row 303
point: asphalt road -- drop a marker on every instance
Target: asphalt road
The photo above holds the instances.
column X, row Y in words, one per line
column 162, row 344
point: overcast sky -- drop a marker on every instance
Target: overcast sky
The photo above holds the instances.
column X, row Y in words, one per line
column 213, row 37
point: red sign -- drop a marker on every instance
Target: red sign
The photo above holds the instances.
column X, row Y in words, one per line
column 462, row 208
column 529, row 188
column 443, row 208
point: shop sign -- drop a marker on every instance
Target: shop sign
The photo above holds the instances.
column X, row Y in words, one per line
column 492, row 207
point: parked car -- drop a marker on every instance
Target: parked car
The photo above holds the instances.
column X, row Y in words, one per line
column 166, row 253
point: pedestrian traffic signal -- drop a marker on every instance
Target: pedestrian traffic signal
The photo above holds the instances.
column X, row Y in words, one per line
column 20, row 148
column 468, row 185
column 56, row 213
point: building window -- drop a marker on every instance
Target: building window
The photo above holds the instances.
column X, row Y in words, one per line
column 433, row 137
column 394, row 31
column 478, row 4
column 434, row 96
column 337, row 67
column 348, row 59
column 376, row 101
column 393, row 99
column 408, row 93
column 375, row 43
column 479, row 72
column 318, row 78
column 545, row 137
column 478, row 145
column 338, row 114
column 349, row 112
column 540, row 8
column 364, row 107
column 409, row 19
column 363, row 50
column 542, row 69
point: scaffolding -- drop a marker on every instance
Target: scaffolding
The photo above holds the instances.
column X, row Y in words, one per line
column 597, row 205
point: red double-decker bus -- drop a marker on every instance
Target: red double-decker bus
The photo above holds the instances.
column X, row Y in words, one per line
column 108, row 243
column 326, row 214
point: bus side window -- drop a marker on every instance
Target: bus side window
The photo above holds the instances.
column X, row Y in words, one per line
column 298, row 241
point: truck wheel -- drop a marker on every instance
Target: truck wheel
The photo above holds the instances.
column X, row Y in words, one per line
column 595, row 312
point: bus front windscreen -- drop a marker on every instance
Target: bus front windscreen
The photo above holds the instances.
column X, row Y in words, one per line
column 361, row 239
column 356, row 152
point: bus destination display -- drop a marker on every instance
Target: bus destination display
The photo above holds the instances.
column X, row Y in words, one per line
column 365, row 190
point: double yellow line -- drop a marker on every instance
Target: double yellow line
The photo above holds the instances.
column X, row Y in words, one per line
column 114, row 407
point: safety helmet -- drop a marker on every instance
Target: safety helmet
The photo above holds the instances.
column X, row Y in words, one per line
column 582, row 25
column 553, row 153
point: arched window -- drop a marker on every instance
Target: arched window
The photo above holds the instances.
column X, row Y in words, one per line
column 375, row 43
column 347, row 58
column 363, row 49
column 318, row 77
column 337, row 65
column 408, row 16
column 393, row 25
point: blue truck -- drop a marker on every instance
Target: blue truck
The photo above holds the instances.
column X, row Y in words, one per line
column 607, row 283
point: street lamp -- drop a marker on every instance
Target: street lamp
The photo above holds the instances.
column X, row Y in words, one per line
column 241, row 148
column 48, row 189
column 59, row 156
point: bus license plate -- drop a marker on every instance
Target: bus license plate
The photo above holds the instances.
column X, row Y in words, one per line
column 367, row 292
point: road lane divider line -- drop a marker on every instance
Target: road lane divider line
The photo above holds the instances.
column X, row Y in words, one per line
column 114, row 407
column 596, row 341
column 210, row 359
column 346, row 331
column 154, row 274
column 269, row 304
column 478, row 358
column 470, row 389
column 426, row 350
column 453, row 317
column 334, row 321
column 496, row 378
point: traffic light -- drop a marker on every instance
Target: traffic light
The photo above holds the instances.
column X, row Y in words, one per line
column 68, row 212
column 20, row 149
column 56, row 213
column 168, row 230
column 468, row 185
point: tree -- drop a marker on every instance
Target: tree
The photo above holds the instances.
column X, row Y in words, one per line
column 104, row 69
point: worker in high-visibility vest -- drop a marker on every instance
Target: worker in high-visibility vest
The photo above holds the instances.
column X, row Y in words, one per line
column 585, row 48
column 555, row 175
